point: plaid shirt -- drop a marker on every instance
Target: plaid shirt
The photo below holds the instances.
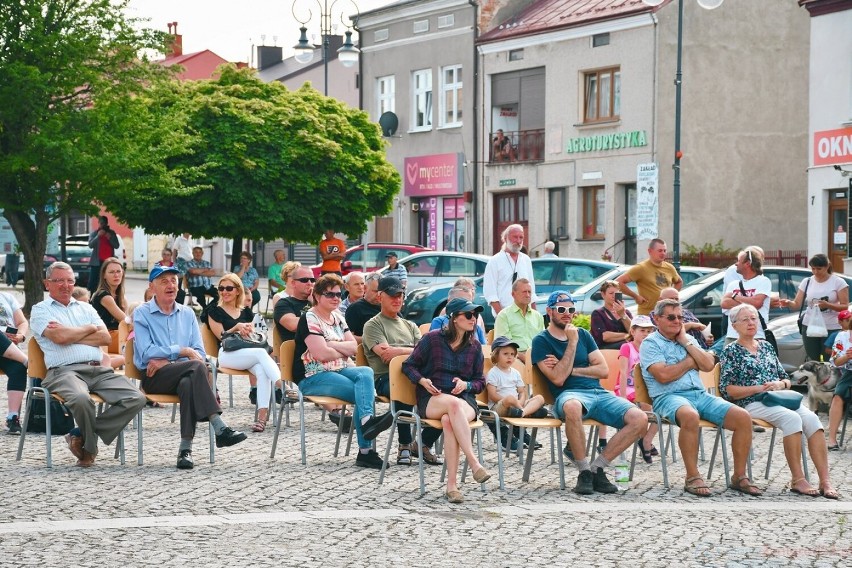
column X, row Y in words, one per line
column 198, row 281
column 433, row 358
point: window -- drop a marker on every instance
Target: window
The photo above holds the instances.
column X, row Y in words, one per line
column 385, row 95
column 594, row 200
column 558, row 214
column 447, row 21
column 603, row 95
column 380, row 35
column 600, row 39
column 516, row 55
column 451, row 95
column 421, row 26
column 422, row 102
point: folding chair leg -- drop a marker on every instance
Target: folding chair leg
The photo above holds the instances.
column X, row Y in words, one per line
column 29, row 406
column 805, row 466
column 212, row 442
column 769, row 457
column 139, row 438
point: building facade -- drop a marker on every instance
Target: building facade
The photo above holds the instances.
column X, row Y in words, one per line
column 830, row 130
column 584, row 93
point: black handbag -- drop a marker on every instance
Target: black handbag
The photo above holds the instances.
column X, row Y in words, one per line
column 61, row 421
column 786, row 398
column 233, row 341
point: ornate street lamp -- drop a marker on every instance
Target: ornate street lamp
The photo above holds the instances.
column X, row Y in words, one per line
column 707, row 5
column 347, row 55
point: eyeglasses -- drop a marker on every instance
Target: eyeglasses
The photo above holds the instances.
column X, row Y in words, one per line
column 332, row 295
column 468, row 315
column 305, row 280
column 565, row 309
column 673, row 317
column 227, row 288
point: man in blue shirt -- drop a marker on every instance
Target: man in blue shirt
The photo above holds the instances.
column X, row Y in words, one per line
column 570, row 360
column 670, row 360
column 169, row 350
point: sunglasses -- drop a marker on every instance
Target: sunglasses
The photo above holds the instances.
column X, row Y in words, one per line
column 468, row 315
column 227, row 288
column 332, row 295
column 565, row 309
column 673, row 317
column 305, row 280
column 514, row 277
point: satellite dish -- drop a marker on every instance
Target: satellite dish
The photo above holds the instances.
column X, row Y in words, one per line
column 389, row 123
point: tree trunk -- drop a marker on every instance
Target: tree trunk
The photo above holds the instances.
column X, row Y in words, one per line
column 236, row 250
column 32, row 238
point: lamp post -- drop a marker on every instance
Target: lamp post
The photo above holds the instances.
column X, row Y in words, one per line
column 707, row 5
column 347, row 55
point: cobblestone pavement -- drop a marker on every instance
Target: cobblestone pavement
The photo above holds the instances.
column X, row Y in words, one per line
column 250, row 510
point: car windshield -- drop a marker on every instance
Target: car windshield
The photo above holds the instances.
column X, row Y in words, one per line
column 596, row 283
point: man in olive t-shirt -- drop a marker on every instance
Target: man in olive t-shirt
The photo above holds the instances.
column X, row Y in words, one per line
column 651, row 276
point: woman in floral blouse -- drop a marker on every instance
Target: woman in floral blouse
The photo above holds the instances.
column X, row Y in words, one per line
column 750, row 367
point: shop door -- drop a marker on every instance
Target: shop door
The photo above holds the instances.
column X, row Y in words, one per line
column 837, row 229
column 509, row 209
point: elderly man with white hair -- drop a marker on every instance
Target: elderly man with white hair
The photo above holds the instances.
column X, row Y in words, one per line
column 505, row 267
column 355, row 288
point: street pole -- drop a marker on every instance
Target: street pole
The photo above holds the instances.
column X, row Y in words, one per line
column 678, row 154
column 348, row 53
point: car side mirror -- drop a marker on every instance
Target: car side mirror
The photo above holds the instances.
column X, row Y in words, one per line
column 597, row 296
column 347, row 264
column 706, row 302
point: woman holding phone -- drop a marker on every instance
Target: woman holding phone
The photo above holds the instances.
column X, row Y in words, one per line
column 13, row 361
column 611, row 322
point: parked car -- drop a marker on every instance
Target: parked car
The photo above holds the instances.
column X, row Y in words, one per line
column 434, row 267
column 704, row 297
column 82, row 240
column 559, row 273
column 353, row 258
column 791, row 350
column 48, row 259
column 424, row 303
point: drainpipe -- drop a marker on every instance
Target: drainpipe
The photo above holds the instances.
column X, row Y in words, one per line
column 475, row 189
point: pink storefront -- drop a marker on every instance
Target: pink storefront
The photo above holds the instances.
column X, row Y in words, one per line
column 434, row 185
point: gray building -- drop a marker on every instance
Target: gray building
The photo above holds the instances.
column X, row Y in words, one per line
column 830, row 130
column 584, row 92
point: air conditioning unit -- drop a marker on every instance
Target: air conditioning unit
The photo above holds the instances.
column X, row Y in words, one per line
column 415, row 207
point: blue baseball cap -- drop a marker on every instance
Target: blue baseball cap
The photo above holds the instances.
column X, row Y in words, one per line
column 158, row 271
column 558, row 297
column 459, row 305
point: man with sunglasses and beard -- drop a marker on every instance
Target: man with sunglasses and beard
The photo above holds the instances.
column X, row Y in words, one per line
column 300, row 286
column 504, row 268
column 570, row 360
column 670, row 360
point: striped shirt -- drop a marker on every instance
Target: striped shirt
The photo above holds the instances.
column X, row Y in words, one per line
column 75, row 314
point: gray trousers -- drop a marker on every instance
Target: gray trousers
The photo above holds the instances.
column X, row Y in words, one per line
column 188, row 380
column 74, row 383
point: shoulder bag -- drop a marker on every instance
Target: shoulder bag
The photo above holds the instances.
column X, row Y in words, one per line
column 232, row 341
column 786, row 398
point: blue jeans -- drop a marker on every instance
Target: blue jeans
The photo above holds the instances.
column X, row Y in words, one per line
column 352, row 384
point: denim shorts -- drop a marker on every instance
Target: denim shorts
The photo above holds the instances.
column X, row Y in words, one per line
column 709, row 407
column 598, row 404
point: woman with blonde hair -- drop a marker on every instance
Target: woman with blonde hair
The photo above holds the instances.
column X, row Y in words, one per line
column 232, row 315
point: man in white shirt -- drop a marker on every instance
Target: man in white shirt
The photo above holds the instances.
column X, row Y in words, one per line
column 504, row 268
column 754, row 289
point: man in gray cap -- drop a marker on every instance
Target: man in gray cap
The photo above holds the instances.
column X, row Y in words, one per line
column 395, row 269
column 71, row 335
column 168, row 348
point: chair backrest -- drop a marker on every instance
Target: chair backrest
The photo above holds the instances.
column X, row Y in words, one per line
column 424, row 328
column 211, row 345
column 36, row 367
column 360, row 356
column 276, row 338
column 401, row 388
column 131, row 371
column 286, row 353
column 123, row 332
column 710, row 379
column 639, row 385
column 611, row 358
column 540, row 383
column 489, row 337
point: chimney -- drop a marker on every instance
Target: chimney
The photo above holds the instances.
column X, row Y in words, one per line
column 267, row 56
column 177, row 42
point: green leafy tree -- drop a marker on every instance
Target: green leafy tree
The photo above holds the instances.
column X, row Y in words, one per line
column 270, row 163
column 71, row 126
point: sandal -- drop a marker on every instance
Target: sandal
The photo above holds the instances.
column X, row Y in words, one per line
column 455, row 496
column 258, row 426
column 426, row 455
column 829, row 493
column 646, row 454
column 654, row 451
column 744, row 485
column 695, row 485
column 834, row 448
column 810, row 491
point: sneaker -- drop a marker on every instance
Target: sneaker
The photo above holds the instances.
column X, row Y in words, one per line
column 515, row 413
column 403, row 457
column 279, row 396
column 601, row 484
column 528, row 439
column 184, row 460
column 601, row 445
column 253, row 396
column 14, row 425
column 376, row 425
column 585, row 483
column 371, row 459
column 229, row 437
column 540, row 413
column 334, row 417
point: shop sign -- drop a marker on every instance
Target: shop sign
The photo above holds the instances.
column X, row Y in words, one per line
column 833, row 147
column 615, row 141
column 436, row 174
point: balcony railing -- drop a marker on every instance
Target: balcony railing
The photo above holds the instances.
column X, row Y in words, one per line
column 517, row 146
